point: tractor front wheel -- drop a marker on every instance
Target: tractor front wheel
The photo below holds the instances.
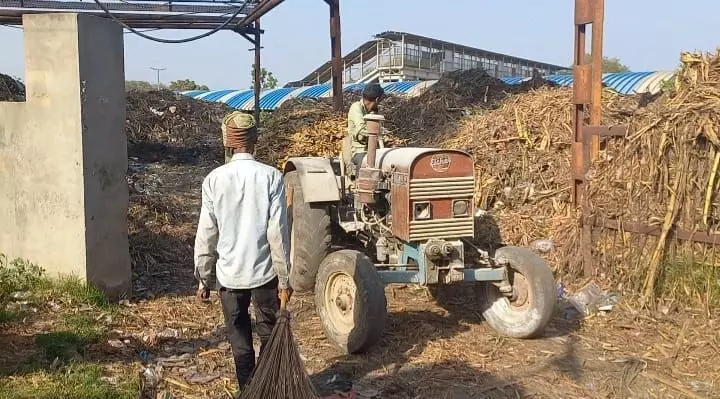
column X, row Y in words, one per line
column 350, row 300
column 526, row 312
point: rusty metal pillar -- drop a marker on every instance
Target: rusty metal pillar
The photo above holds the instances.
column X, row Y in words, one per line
column 336, row 53
column 583, row 94
column 258, row 75
column 597, row 61
column 587, row 92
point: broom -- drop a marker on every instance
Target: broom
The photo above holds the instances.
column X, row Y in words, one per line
column 280, row 373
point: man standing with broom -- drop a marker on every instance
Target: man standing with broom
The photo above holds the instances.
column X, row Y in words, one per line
column 242, row 242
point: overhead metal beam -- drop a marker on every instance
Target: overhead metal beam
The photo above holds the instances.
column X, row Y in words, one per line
column 138, row 21
column 167, row 7
column 259, row 9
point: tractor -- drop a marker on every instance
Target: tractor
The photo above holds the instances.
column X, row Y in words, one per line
column 410, row 214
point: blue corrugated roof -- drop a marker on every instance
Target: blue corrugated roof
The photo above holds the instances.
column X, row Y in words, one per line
column 314, row 91
column 399, row 87
column 273, row 98
column 624, row 83
column 354, row 87
column 215, row 95
column 193, row 93
column 514, row 80
column 239, row 99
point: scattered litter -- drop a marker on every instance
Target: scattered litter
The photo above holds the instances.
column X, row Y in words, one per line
column 175, row 360
column 20, row 295
column 151, row 377
column 591, row 299
column 169, row 333
column 543, row 246
column 116, row 343
column 110, row 380
column 198, row 378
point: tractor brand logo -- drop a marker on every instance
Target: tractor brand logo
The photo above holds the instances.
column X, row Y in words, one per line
column 440, row 162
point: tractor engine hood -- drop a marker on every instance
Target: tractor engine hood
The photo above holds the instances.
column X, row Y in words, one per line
column 424, row 162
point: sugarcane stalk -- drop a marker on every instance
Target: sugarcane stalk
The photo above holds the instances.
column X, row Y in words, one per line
column 711, row 184
column 668, row 222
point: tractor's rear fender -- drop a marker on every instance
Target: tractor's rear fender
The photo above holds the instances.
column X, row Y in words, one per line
column 317, row 178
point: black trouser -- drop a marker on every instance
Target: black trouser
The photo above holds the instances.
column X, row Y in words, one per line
column 235, row 304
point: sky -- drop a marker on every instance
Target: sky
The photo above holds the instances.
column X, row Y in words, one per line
column 646, row 35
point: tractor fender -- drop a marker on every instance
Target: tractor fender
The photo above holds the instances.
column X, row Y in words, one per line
column 317, row 178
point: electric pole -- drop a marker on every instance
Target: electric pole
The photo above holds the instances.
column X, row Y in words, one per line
column 156, row 69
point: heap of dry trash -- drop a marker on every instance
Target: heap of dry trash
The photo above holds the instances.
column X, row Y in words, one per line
column 173, row 143
column 11, row 89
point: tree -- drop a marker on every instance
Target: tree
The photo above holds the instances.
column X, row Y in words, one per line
column 609, row 65
column 267, row 80
column 186, row 85
column 139, row 85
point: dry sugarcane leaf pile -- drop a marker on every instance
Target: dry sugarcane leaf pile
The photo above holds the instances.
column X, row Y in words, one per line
column 522, row 162
column 420, row 119
column 666, row 174
column 11, row 90
column 304, row 127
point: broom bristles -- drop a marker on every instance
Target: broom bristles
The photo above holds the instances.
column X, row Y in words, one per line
column 280, row 372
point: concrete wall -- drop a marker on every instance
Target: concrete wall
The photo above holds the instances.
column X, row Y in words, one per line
column 63, row 153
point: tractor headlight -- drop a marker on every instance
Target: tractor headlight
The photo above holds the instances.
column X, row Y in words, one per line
column 460, row 208
column 422, row 211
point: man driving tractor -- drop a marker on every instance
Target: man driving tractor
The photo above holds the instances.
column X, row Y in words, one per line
column 357, row 126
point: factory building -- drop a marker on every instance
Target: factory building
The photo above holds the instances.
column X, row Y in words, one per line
column 400, row 57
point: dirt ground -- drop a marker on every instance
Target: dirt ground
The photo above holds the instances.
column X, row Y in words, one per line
column 442, row 349
column 433, row 347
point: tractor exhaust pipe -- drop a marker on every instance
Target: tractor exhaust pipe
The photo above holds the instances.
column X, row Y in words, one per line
column 374, row 129
column 369, row 177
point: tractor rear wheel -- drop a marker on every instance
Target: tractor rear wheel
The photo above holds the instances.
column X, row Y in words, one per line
column 532, row 304
column 350, row 300
column 310, row 235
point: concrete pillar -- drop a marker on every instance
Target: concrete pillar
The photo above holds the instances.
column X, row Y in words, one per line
column 63, row 153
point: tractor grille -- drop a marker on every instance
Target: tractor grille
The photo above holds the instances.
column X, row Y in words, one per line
column 441, row 228
column 442, row 188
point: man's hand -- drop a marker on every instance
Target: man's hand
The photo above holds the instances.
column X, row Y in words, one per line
column 203, row 293
column 284, row 295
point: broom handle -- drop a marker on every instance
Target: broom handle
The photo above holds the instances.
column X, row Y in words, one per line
column 283, row 300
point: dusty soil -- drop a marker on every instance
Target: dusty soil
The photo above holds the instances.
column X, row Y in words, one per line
column 440, row 348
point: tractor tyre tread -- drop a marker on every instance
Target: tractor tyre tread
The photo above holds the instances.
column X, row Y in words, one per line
column 370, row 318
column 531, row 322
column 310, row 234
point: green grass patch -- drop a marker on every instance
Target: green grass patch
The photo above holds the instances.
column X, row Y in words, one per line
column 7, row 316
column 22, row 276
column 79, row 291
column 65, row 345
column 76, row 381
column 76, row 333
column 18, row 276
column 690, row 281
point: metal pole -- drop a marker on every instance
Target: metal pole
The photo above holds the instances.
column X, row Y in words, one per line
column 597, row 59
column 257, row 73
column 336, row 53
column 158, row 75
